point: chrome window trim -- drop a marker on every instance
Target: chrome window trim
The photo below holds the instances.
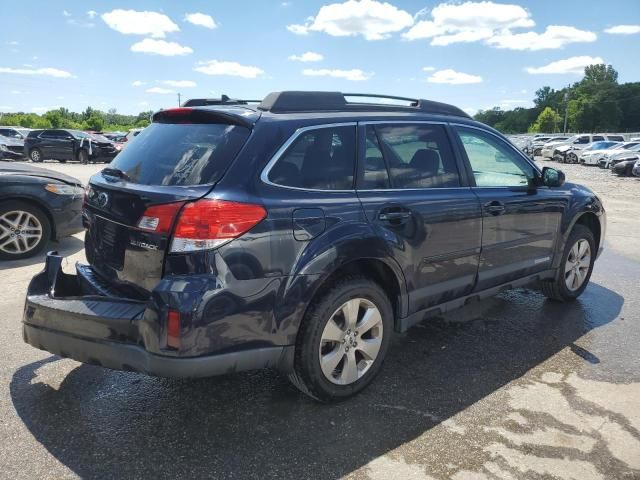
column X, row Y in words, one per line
column 396, row 122
column 512, row 147
column 264, row 176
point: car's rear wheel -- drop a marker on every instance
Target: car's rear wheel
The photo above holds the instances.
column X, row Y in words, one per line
column 343, row 340
column 35, row 155
column 24, row 230
column 575, row 267
column 83, row 157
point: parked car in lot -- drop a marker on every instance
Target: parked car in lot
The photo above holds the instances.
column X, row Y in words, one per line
column 591, row 154
column 64, row 145
column 11, row 148
column 36, row 206
column 624, row 168
column 300, row 234
column 568, row 151
column 546, row 150
column 610, row 159
column 604, row 157
column 636, row 169
column 14, row 132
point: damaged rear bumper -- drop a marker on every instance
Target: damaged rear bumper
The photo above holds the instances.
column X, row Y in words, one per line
column 75, row 317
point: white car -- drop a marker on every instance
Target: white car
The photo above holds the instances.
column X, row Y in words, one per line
column 622, row 154
column 591, row 154
column 605, row 156
column 550, row 145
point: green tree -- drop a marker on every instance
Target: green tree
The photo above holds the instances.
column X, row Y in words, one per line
column 548, row 121
column 95, row 122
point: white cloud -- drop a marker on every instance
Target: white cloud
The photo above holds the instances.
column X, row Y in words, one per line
column 6, row 108
column 160, row 90
column 511, row 104
column 452, row 77
column 44, row 109
column 160, row 47
column 623, row 29
column 428, row 69
column 66, row 14
column 179, row 83
column 47, row 72
column 469, row 22
column 285, row 4
column 143, row 104
column 138, row 83
column 15, row 92
column 554, row 36
column 354, row 74
column 307, row 57
column 372, row 19
column 154, row 24
column 200, row 19
column 92, row 14
column 569, row 65
column 13, row 43
column 233, row 69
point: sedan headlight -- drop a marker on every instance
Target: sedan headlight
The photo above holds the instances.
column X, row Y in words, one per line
column 60, row 189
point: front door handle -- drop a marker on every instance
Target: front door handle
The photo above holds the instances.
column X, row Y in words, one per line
column 494, row 208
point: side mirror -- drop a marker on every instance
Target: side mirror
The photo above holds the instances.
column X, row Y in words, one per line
column 552, row 177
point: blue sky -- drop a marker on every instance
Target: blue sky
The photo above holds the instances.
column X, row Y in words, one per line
column 472, row 54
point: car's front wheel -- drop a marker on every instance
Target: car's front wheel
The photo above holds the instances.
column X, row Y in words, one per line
column 35, row 155
column 24, row 230
column 572, row 158
column 575, row 267
column 343, row 340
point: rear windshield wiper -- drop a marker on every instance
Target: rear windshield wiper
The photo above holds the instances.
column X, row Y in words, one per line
column 115, row 172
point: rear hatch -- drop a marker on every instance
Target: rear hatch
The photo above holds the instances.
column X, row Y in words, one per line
column 131, row 205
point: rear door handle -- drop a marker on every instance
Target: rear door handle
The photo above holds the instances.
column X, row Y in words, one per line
column 494, row 208
column 394, row 216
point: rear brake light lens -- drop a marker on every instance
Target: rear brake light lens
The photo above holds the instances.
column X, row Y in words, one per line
column 209, row 223
column 159, row 218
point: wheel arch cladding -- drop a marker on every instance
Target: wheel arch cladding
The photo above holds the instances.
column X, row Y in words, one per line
column 592, row 222
column 303, row 289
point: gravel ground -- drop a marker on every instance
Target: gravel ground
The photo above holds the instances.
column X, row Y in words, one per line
column 512, row 387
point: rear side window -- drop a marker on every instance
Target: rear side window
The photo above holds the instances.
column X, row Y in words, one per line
column 319, row 159
column 181, row 154
column 415, row 156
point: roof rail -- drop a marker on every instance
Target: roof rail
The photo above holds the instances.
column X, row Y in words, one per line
column 302, row 101
column 223, row 100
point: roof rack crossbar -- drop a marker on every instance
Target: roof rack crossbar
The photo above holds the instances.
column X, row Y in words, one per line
column 376, row 95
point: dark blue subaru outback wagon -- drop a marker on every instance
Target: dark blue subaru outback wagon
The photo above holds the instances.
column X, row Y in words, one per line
column 300, row 234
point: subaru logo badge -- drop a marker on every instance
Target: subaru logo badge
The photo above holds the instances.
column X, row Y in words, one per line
column 103, row 199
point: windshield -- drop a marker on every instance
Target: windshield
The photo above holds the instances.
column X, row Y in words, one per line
column 628, row 146
column 181, row 154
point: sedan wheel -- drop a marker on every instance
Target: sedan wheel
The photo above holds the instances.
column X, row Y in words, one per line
column 351, row 341
column 20, row 232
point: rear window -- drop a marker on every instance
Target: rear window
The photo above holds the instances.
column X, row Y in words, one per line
column 181, row 154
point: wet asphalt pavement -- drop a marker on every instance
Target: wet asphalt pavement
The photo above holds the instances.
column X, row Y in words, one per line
column 512, row 387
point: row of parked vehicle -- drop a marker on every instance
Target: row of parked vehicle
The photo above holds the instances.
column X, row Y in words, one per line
column 607, row 151
column 17, row 143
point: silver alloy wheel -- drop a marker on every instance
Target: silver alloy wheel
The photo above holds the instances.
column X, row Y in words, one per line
column 577, row 265
column 351, row 341
column 35, row 155
column 20, row 232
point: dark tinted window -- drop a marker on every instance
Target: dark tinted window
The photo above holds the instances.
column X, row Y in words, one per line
column 374, row 171
column 598, row 138
column 181, row 154
column 321, row 158
column 616, row 138
column 58, row 134
column 417, row 156
column 10, row 133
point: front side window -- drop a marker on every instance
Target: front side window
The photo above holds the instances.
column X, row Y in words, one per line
column 319, row 159
column 414, row 156
column 493, row 162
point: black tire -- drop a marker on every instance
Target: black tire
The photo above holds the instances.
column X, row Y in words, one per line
column 35, row 155
column 557, row 289
column 63, row 160
column 307, row 373
column 83, row 157
column 17, row 205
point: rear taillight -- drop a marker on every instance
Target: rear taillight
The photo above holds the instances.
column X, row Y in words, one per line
column 209, row 223
column 159, row 218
